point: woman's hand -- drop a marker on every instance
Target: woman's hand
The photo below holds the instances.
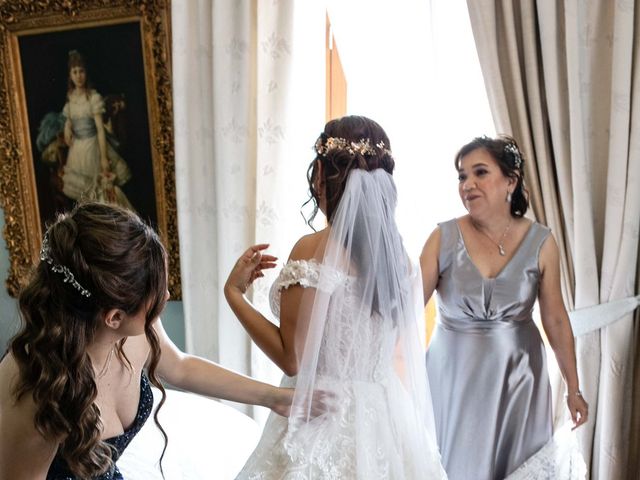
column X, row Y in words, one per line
column 578, row 407
column 282, row 398
column 249, row 267
column 280, row 401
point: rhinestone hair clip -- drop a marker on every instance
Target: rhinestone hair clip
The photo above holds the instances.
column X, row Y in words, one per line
column 45, row 256
column 363, row 146
column 512, row 149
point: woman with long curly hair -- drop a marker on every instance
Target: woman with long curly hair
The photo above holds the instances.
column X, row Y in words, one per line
column 75, row 383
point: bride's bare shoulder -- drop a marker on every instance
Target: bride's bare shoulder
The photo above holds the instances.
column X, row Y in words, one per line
column 310, row 246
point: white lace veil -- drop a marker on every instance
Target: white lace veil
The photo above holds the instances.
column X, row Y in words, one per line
column 363, row 344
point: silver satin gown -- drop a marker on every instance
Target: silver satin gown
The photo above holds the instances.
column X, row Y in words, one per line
column 486, row 361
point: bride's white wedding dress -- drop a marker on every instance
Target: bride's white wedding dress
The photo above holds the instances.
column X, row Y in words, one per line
column 363, row 346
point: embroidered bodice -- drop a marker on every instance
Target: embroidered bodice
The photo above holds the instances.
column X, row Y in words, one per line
column 349, row 322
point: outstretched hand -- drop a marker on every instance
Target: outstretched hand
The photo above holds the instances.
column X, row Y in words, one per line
column 579, row 409
column 249, row 267
column 322, row 402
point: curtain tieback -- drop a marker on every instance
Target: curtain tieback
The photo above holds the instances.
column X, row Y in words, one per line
column 589, row 319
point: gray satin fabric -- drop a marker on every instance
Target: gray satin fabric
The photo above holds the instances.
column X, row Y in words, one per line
column 486, row 362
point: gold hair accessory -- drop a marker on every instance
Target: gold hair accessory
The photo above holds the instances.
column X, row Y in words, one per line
column 382, row 147
column 363, row 146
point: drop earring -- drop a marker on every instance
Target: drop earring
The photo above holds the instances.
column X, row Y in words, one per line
column 508, row 197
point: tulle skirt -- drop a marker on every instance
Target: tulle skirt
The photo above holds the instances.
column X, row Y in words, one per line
column 371, row 434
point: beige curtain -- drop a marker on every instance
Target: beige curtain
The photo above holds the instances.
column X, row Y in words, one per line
column 634, row 444
column 248, row 105
column 560, row 77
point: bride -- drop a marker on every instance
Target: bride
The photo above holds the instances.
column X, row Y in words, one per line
column 349, row 304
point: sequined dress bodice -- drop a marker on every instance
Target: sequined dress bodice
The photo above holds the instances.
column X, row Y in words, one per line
column 59, row 469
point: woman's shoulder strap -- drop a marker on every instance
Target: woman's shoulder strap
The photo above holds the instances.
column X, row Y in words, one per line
column 538, row 236
column 448, row 239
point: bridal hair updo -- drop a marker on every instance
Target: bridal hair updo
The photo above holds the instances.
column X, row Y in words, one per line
column 95, row 258
column 509, row 157
column 347, row 143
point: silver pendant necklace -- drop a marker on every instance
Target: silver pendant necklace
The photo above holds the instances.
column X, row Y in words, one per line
column 499, row 244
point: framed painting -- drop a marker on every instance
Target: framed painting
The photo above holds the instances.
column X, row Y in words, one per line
column 85, row 114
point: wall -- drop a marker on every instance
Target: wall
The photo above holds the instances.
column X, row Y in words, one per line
column 172, row 318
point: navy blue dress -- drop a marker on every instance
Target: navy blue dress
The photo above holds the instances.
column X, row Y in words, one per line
column 59, row 469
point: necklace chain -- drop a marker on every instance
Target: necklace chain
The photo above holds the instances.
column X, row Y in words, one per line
column 499, row 244
column 107, row 363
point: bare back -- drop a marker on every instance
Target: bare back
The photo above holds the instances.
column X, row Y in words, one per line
column 24, row 453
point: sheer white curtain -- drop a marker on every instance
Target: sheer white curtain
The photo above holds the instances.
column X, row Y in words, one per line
column 412, row 66
column 248, row 105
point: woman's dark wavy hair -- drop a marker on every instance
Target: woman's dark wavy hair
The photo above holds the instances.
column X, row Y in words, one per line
column 338, row 163
column 507, row 159
column 122, row 262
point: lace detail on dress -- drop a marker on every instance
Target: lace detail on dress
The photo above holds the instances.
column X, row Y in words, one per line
column 559, row 458
column 362, row 346
column 296, row 272
column 305, row 273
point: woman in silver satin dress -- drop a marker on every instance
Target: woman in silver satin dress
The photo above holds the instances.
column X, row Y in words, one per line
column 486, row 362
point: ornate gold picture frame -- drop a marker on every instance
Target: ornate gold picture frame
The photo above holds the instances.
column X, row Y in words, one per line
column 125, row 47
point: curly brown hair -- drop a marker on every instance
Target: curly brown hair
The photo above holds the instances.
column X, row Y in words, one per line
column 122, row 262
column 338, row 163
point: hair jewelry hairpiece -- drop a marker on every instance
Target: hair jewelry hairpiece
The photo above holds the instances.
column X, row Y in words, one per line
column 363, row 146
column 45, row 256
column 513, row 149
column 382, row 147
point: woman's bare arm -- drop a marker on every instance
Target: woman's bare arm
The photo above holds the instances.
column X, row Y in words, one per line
column 555, row 321
column 202, row 376
column 278, row 343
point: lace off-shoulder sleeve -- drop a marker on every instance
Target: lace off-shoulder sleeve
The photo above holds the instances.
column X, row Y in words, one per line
column 308, row 274
column 296, row 272
column 303, row 272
